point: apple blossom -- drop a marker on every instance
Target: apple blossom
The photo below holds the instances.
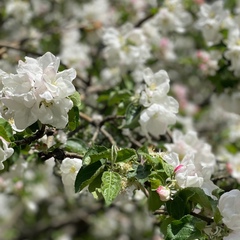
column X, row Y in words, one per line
column 161, row 108
column 155, row 120
column 208, row 61
column 172, row 17
column 5, row 152
column 69, row 169
column 229, row 207
column 186, row 173
column 38, row 92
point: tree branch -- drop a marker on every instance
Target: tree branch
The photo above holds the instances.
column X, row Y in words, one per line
column 39, row 134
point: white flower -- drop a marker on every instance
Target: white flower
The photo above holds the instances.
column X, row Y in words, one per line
column 5, row 152
column 38, row 92
column 54, row 112
column 233, row 55
column 229, row 207
column 157, row 86
column 94, row 14
column 155, row 119
column 161, row 108
column 167, row 21
column 172, row 17
column 69, row 169
column 186, row 173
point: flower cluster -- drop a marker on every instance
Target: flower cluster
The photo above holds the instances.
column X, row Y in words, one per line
column 37, row 92
column 211, row 20
column 160, row 109
column 127, row 48
column 172, row 17
column 193, row 161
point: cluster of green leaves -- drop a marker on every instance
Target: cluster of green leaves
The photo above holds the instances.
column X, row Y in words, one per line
column 112, row 170
column 108, row 172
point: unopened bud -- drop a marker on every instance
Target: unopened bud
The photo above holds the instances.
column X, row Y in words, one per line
column 164, row 193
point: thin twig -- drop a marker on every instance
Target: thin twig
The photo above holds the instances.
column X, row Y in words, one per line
column 111, row 118
column 39, row 134
column 94, row 136
column 135, row 142
column 86, row 117
column 107, row 135
column 139, row 24
column 73, row 155
column 204, row 218
column 59, row 154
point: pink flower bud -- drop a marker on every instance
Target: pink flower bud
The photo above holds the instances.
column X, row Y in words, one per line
column 164, row 193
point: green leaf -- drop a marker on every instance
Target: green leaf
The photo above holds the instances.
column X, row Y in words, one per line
column 157, row 178
column 143, row 150
column 164, row 222
column 73, row 118
column 185, row 228
column 154, row 201
column 5, row 130
column 143, row 172
column 76, row 145
column 197, row 196
column 73, row 114
column 126, row 154
column 177, row 207
column 168, row 169
column 118, row 96
column 111, row 186
column 102, row 155
column 154, row 161
column 95, row 186
column 184, row 201
column 93, row 151
column 87, row 174
column 217, row 216
column 132, row 115
column 76, row 99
